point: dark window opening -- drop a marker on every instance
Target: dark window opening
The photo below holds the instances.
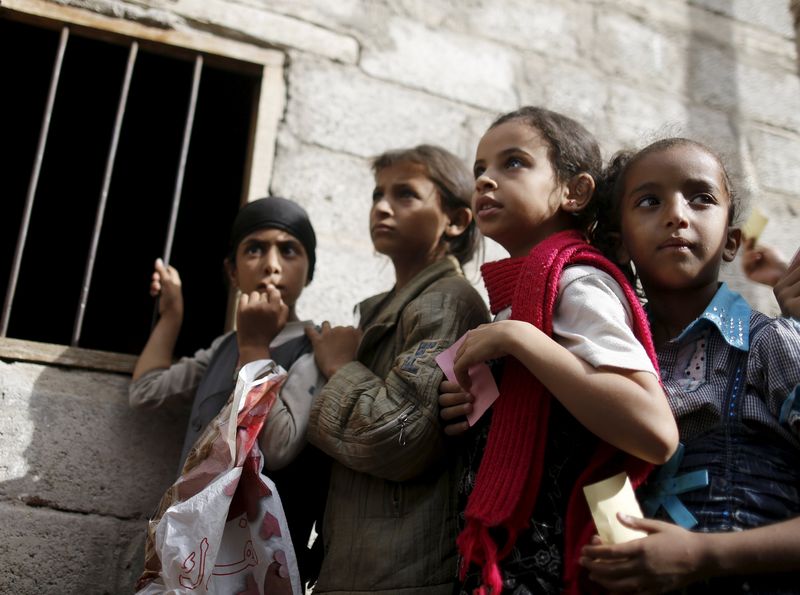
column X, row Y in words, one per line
column 119, row 310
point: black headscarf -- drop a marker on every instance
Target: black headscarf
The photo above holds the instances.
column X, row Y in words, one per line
column 276, row 213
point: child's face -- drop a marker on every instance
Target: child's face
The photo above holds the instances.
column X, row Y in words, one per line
column 518, row 198
column 271, row 257
column 674, row 218
column 406, row 221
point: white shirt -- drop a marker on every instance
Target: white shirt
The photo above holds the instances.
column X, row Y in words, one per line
column 593, row 320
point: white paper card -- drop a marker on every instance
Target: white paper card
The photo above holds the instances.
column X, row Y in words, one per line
column 608, row 497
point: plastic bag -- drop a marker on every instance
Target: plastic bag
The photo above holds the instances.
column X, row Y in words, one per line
column 220, row 528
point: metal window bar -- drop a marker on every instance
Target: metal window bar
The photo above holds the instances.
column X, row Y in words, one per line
column 33, row 184
column 187, row 135
column 101, row 207
column 34, row 181
column 176, row 195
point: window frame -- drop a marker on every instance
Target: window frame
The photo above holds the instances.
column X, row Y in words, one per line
column 218, row 51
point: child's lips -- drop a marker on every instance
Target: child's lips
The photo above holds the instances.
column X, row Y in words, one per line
column 382, row 228
column 486, row 206
column 262, row 287
column 675, row 244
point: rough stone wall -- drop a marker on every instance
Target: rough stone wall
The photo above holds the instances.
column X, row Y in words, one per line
column 794, row 6
column 79, row 475
column 367, row 75
column 724, row 72
column 79, row 472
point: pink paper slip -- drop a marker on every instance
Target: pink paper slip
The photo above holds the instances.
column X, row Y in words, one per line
column 483, row 388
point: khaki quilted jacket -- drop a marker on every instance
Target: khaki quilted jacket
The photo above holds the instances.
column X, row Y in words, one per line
column 390, row 521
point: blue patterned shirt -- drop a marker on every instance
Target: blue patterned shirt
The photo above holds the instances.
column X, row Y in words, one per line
column 696, row 366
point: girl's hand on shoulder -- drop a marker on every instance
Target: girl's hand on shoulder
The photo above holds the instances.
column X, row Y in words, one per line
column 669, row 557
column 787, row 289
column 488, row 341
column 333, row 346
column 259, row 319
column 166, row 284
column 454, row 405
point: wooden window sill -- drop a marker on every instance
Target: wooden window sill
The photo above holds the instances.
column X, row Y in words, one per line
column 63, row 355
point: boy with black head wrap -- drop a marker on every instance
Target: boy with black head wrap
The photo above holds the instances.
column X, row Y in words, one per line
column 271, row 259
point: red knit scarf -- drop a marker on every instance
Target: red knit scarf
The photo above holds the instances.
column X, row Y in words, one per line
column 511, row 468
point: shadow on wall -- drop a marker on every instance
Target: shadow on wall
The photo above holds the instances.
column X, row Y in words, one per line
column 716, row 118
column 80, row 473
column 712, row 83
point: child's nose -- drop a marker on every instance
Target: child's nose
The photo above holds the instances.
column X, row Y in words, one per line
column 483, row 183
column 381, row 207
column 272, row 260
column 676, row 212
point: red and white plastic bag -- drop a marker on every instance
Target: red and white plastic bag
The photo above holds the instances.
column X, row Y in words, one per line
column 220, row 529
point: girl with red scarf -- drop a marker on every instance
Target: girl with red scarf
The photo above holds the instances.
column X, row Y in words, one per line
column 580, row 398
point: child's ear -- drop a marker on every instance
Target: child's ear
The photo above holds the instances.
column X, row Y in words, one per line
column 230, row 270
column 732, row 242
column 580, row 190
column 459, row 220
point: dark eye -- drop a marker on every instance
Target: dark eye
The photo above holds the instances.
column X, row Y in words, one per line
column 253, row 249
column 647, row 201
column 406, row 192
column 703, row 198
column 289, row 250
column 478, row 170
column 514, row 162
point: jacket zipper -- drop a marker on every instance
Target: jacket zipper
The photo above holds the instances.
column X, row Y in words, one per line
column 402, row 420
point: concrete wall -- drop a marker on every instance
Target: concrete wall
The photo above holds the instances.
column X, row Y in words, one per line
column 367, row 75
column 720, row 71
column 79, row 472
column 794, row 6
column 79, row 475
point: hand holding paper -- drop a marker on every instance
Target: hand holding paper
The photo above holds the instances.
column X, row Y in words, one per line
column 483, row 387
column 608, row 497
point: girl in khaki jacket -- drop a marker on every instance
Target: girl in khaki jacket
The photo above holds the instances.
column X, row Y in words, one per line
column 390, row 520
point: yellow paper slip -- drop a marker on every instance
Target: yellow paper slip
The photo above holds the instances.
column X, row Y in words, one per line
column 754, row 225
column 608, row 497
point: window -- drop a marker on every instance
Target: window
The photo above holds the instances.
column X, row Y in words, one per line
column 232, row 134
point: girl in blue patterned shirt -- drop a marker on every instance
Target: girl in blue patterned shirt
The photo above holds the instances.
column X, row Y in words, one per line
column 732, row 376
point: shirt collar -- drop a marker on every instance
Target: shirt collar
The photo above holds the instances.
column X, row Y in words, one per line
column 730, row 313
